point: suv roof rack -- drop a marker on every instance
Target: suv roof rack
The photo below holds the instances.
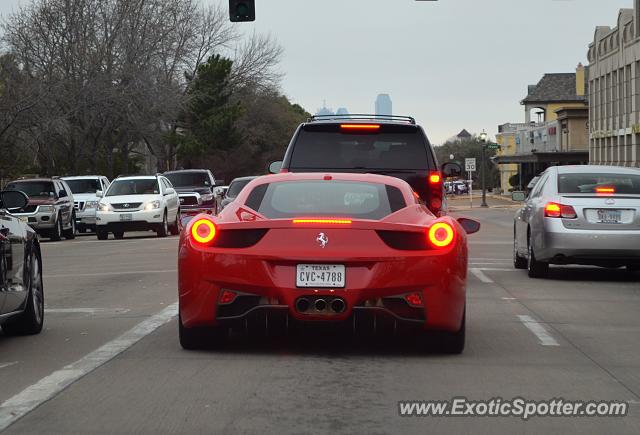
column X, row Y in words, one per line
column 361, row 117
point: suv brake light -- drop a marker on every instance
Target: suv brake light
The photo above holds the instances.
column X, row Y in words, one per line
column 434, row 185
column 360, row 127
column 555, row 210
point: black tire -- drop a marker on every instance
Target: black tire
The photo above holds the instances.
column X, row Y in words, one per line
column 32, row 318
column 175, row 228
column 535, row 268
column 201, row 338
column 163, row 229
column 56, row 233
column 118, row 235
column 102, row 234
column 632, row 268
column 70, row 234
column 518, row 261
column 453, row 342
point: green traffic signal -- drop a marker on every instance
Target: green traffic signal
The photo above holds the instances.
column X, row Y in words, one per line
column 242, row 10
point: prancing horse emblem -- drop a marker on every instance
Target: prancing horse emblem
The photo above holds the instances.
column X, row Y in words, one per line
column 322, row 239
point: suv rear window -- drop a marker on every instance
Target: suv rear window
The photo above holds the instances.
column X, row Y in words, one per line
column 394, row 147
column 326, row 198
column 84, row 185
column 33, row 188
column 188, row 179
column 588, row 183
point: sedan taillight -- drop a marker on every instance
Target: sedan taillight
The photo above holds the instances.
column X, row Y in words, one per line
column 555, row 210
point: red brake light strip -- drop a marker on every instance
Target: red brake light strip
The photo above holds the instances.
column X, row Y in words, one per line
column 323, row 221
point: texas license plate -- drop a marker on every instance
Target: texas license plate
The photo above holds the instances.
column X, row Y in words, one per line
column 320, row 275
column 610, row 216
column 126, row 217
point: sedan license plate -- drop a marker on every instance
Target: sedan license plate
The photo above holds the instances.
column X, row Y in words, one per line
column 320, row 275
column 126, row 217
column 609, row 216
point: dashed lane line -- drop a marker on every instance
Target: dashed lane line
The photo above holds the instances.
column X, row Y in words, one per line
column 539, row 331
column 480, row 275
column 128, row 272
column 48, row 387
column 8, row 364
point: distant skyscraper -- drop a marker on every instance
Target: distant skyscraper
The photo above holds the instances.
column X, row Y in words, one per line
column 342, row 111
column 384, row 106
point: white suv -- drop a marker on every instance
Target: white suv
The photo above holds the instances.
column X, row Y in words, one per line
column 138, row 203
column 87, row 191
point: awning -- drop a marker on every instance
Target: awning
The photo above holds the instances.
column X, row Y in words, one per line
column 574, row 157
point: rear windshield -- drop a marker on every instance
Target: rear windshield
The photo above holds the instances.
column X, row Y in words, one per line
column 189, row 179
column 134, row 187
column 33, row 188
column 398, row 148
column 84, row 185
column 326, row 198
column 588, row 183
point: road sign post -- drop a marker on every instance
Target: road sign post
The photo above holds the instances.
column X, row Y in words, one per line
column 470, row 167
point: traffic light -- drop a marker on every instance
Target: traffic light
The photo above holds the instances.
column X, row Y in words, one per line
column 242, row 10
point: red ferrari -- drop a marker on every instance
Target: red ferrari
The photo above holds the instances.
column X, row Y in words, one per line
column 310, row 247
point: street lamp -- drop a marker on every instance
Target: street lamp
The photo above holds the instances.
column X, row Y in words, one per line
column 483, row 169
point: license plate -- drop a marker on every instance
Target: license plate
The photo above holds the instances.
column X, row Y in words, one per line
column 23, row 219
column 126, row 217
column 610, row 216
column 320, row 275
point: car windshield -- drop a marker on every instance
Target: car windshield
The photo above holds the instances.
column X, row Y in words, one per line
column 33, row 189
column 403, row 149
column 326, row 198
column 142, row 186
column 236, row 187
column 84, row 185
column 592, row 183
column 188, row 179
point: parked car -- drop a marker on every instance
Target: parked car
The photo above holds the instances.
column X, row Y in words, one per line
column 87, row 191
column 579, row 215
column 50, row 210
column 21, row 288
column 375, row 144
column 195, row 189
column 138, row 203
column 324, row 249
column 236, row 186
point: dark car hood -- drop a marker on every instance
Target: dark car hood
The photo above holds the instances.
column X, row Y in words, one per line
column 41, row 201
column 202, row 190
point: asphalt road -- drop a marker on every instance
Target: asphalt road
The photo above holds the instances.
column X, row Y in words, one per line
column 109, row 360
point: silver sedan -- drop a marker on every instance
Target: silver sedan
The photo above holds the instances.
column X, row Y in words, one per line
column 580, row 215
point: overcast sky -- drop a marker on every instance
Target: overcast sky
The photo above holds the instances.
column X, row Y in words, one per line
column 452, row 64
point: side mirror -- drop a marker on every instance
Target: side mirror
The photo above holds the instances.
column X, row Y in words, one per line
column 99, row 193
column 470, row 226
column 451, row 169
column 275, row 167
column 518, row 196
column 13, row 199
column 62, row 193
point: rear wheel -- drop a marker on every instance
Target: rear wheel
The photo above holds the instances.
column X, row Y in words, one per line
column 633, row 268
column 102, row 234
column 175, row 227
column 201, row 338
column 163, row 229
column 536, row 269
column 31, row 320
column 71, row 232
column 518, row 261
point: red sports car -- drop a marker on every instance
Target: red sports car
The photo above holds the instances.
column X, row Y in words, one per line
column 312, row 247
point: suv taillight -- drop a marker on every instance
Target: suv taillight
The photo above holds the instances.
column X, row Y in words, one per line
column 434, row 186
column 555, row 210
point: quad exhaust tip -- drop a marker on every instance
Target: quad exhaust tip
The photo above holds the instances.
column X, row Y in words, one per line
column 320, row 305
column 337, row 305
column 302, row 305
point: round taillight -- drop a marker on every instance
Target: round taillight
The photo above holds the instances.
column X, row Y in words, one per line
column 441, row 234
column 203, row 231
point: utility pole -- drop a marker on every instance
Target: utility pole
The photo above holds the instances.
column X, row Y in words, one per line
column 483, row 168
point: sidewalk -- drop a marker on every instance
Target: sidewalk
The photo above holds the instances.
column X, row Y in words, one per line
column 461, row 202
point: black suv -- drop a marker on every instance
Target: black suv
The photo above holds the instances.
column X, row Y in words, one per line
column 195, row 189
column 377, row 144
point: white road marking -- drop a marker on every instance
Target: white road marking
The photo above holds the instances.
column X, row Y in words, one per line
column 497, row 269
column 495, row 263
column 48, row 387
column 111, row 242
column 87, row 310
column 480, row 275
column 478, row 242
column 489, row 259
column 128, row 272
column 508, row 299
column 3, row 365
column 540, row 331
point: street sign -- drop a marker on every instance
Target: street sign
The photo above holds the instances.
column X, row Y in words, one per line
column 470, row 164
column 493, row 146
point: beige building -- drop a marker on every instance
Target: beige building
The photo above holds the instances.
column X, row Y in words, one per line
column 614, row 92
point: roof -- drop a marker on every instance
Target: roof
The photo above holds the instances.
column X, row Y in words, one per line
column 555, row 87
column 594, row 169
column 82, row 177
column 177, row 171
column 464, row 133
column 244, row 178
column 23, row 180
